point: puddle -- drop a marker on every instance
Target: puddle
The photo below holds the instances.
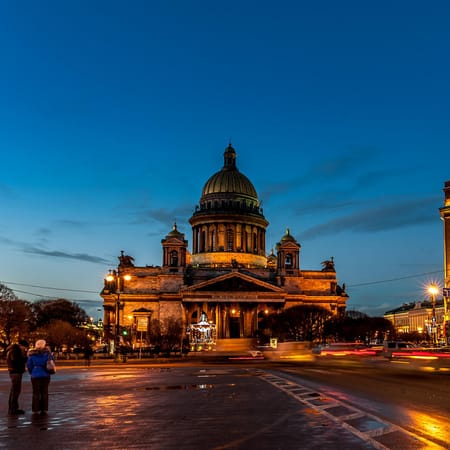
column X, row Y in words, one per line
column 365, row 424
column 182, row 387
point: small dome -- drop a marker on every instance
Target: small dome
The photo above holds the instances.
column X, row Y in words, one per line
column 229, row 180
column 288, row 237
column 175, row 232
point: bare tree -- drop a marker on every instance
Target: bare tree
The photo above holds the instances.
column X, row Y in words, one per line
column 166, row 335
column 15, row 317
column 60, row 333
column 47, row 310
column 300, row 323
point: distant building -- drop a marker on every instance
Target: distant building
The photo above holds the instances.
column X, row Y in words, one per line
column 417, row 317
column 228, row 279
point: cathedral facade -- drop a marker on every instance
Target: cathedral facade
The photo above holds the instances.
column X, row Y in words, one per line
column 228, row 278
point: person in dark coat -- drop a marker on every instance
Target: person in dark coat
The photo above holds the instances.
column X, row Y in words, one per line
column 40, row 377
column 88, row 352
column 16, row 358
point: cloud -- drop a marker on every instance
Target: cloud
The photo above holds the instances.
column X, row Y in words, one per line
column 43, row 232
column 387, row 217
column 345, row 167
column 372, row 310
column 91, row 304
column 165, row 216
column 32, row 249
column 59, row 254
column 351, row 161
column 70, row 223
column 7, row 241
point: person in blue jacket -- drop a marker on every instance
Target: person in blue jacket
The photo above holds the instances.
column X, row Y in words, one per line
column 40, row 377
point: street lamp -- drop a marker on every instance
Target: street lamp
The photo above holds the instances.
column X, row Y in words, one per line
column 117, row 280
column 433, row 290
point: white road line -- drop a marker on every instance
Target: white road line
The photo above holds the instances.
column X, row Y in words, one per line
column 312, row 399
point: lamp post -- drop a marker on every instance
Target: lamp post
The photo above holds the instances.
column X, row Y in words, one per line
column 117, row 281
column 433, row 291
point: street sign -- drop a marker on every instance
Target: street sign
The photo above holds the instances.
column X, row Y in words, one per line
column 142, row 324
column 446, row 292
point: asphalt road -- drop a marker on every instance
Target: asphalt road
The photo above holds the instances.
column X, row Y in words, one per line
column 251, row 405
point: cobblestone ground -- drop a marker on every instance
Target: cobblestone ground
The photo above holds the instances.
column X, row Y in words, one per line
column 148, row 407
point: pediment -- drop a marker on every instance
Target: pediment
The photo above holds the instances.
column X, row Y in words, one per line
column 290, row 245
column 174, row 240
column 234, row 282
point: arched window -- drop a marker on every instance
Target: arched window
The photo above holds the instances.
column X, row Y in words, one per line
column 174, row 258
column 213, row 241
column 230, row 240
column 202, row 241
column 288, row 261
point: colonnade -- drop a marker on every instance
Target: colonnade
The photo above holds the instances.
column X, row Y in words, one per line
column 233, row 237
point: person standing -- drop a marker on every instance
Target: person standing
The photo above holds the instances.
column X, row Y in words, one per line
column 16, row 359
column 40, row 377
column 88, row 352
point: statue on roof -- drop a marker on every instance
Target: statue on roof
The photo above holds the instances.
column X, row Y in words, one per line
column 125, row 260
column 328, row 265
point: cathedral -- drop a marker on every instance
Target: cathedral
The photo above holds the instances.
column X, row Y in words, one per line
column 228, row 281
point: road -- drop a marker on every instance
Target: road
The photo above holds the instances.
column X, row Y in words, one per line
column 411, row 398
column 233, row 405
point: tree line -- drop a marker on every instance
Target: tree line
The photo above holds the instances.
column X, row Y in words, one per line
column 61, row 322
column 57, row 321
column 309, row 323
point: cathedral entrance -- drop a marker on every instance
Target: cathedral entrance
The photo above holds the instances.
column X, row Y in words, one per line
column 235, row 323
column 235, row 328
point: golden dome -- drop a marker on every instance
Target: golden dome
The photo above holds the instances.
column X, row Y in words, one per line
column 229, row 180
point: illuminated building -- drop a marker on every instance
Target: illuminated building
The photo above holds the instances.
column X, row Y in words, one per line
column 228, row 277
column 445, row 215
column 432, row 317
column 417, row 317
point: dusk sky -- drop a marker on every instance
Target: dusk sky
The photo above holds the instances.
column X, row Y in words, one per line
column 114, row 114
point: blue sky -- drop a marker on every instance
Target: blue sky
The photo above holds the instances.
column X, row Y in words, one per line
column 114, row 114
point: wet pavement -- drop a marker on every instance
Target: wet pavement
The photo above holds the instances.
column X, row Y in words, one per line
column 127, row 406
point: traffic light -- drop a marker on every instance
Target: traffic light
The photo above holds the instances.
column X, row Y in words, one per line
column 125, row 332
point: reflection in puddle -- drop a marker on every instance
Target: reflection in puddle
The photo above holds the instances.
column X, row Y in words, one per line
column 429, row 425
column 183, row 387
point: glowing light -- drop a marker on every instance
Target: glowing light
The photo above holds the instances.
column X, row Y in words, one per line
column 433, row 289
